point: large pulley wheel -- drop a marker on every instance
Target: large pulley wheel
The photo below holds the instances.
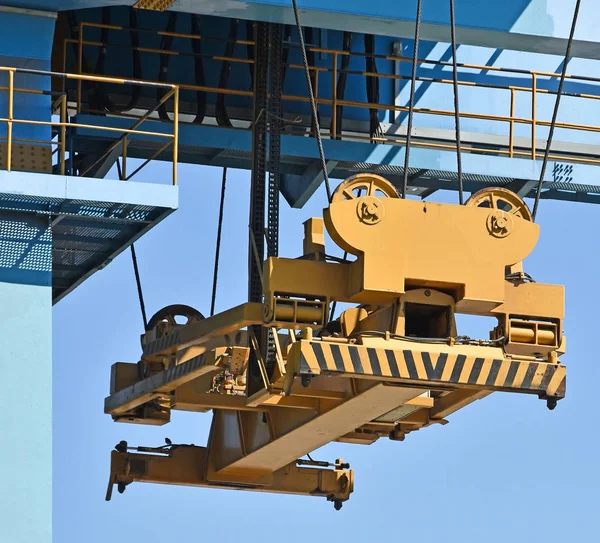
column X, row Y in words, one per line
column 161, row 324
column 367, row 190
column 502, row 200
column 362, row 185
column 171, row 315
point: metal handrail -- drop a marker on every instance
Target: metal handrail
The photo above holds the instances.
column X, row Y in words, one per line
column 532, row 89
column 64, row 121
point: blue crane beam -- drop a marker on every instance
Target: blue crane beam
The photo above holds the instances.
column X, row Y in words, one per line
column 431, row 169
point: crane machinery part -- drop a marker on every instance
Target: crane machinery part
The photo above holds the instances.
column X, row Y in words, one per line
column 285, row 54
column 220, row 109
column 456, row 104
column 311, row 94
column 258, row 193
column 287, row 30
column 166, row 43
column 501, row 199
column 106, row 103
column 88, row 86
column 198, row 69
column 250, row 48
column 166, row 318
column 274, row 120
column 372, row 86
column 309, row 37
column 341, row 85
column 259, row 159
column 161, row 324
column 392, row 363
column 218, row 244
column 411, row 104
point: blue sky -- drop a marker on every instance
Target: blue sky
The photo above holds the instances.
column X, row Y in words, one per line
column 505, row 468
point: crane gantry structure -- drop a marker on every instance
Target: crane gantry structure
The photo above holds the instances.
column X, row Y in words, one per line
column 369, row 99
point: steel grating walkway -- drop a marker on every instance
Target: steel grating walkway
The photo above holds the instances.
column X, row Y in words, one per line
column 91, row 220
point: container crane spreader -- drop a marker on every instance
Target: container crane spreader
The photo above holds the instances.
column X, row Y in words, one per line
column 284, row 378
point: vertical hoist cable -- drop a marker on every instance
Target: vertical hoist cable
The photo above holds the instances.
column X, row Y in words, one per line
column 456, row 106
column 136, row 270
column 218, row 248
column 313, row 104
column 555, row 114
column 139, row 286
column 411, row 106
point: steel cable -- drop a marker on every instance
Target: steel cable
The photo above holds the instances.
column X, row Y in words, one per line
column 412, row 98
column 555, row 113
column 313, row 104
column 139, row 286
column 456, row 106
column 136, row 270
column 218, row 248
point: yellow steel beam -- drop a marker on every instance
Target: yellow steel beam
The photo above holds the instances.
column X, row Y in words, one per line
column 202, row 331
column 307, row 277
column 446, row 405
column 187, row 399
column 430, row 365
column 159, row 384
column 239, row 451
column 185, row 466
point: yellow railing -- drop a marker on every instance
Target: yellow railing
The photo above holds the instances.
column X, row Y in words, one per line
column 510, row 149
column 64, row 123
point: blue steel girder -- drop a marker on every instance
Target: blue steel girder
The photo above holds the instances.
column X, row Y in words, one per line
column 430, row 169
column 519, row 25
column 298, row 188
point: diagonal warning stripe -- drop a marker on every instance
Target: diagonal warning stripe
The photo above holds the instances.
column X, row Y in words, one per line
column 314, row 357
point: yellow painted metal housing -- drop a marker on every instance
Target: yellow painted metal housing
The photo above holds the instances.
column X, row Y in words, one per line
column 391, row 364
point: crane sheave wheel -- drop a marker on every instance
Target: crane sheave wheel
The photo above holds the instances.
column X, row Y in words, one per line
column 170, row 313
column 364, row 184
column 501, row 199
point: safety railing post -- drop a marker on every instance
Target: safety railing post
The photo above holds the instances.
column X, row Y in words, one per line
column 175, row 133
column 63, row 133
column 511, row 135
column 533, row 113
column 80, row 66
column 132, row 129
column 79, row 42
column 9, row 123
column 64, row 66
column 124, row 160
column 334, row 98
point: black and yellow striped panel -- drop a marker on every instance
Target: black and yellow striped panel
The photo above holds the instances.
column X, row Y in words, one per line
column 162, row 343
column 417, row 365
